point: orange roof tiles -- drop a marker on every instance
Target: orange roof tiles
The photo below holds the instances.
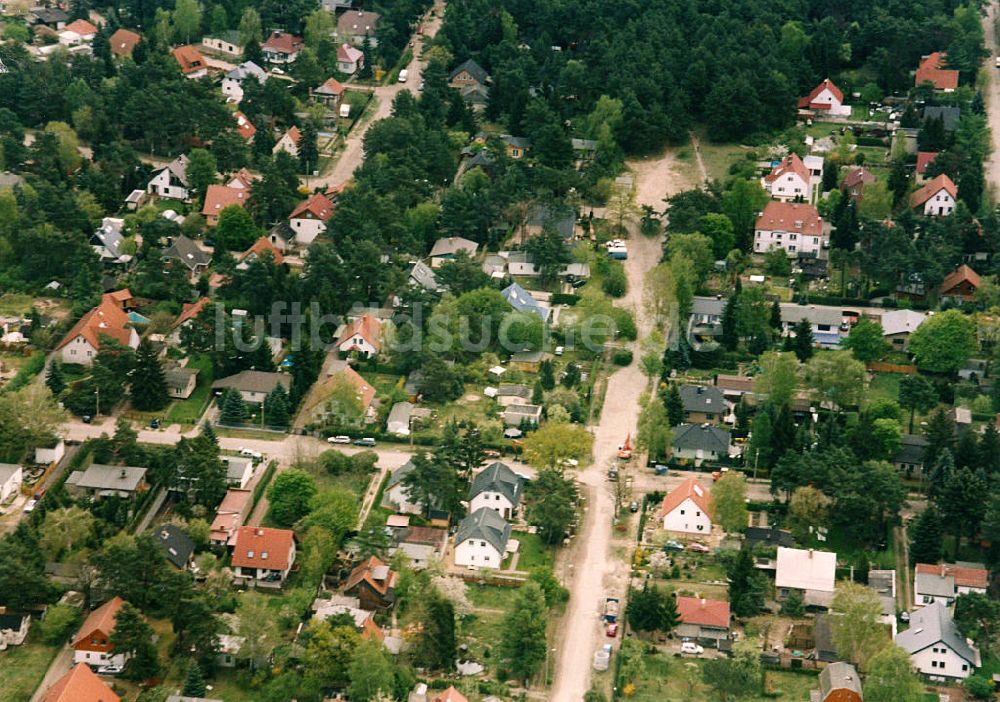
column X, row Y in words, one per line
column 930, row 71
column 365, row 572
column 696, row 610
column 450, row 695
column 123, row 42
column 807, row 101
column 689, row 489
column 962, row 274
column 189, row 58
column 283, row 42
column 331, row 86
column 190, row 310
column 107, row 318
column 81, row 27
column 259, row 247
column 244, row 127
column 790, row 164
column 924, row 159
column 100, row 620
column 258, row 547
column 219, row 197
column 365, row 326
column 964, row 575
column 80, row 684
column 932, row 188
column 318, row 206
column 790, row 217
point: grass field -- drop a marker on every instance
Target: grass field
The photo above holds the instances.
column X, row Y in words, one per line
column 534, row 554
column 15, row 304
column 884, row 386
column 189, row 411
column 22, row 668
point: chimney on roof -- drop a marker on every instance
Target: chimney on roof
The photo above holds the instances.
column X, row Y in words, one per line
column 701, row 390
column 122, row 475
column 810, row 553
column 258, row 532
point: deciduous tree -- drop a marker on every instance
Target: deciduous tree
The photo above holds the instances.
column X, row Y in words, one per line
column 729, row 495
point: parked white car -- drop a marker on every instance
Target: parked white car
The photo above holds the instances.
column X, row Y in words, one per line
column 339, row 439
column 250, row 453
column 692, row 648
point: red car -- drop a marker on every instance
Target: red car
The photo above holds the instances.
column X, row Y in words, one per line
column 612, row 630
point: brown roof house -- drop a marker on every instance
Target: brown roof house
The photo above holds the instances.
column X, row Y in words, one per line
column 108, row 320
column 373, row 583
column 838, row 682
column 855, row 181
column 229, row 517
column 192, row 63
column 960, row 285
column 80, row 684
column 795, row 227
column 704, row 620
column 218, row 198
column 361, row 336
column 789, row 180
column 92, row 643
column 282, row 47
column 263, row 555
column 123, row 43
column 354, row 25
column 931, row 70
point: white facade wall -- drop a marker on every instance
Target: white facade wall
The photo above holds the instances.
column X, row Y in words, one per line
column 358, row 343
column 940, row 205
column 12, row 486
column 97, row 658
column 688, row 518
column 477, row 553
column 494, row 501
column 792, row 242
column 940, row 660
column 788, row 187
column 160, row 186
column 306, row 230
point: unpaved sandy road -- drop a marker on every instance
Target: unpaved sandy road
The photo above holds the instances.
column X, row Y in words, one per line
column 597, row 574
column 993, row 102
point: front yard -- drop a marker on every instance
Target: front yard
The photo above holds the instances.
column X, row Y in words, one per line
column 22, row 668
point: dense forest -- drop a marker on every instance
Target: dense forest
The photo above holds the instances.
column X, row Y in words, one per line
column 736, row 66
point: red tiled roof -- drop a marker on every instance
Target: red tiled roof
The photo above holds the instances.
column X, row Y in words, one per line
column 689, row 489
column 244, row 127
column 807, row 101
column 318, row 206
column 80, row 685
column 790, row 164
column 258, row 547
column 924, row 159
column 283, row 42
column 101, row 619
column 219, row 197
column 962, row 274
column 365, row 326
column 260, row 246
column 795, row 217
column 331, row 87
column 450, row 695
column 366, row 393
column 81, row 27
column 241, row 178
column 107, row 318
column 695, row 610
column 189, row 58
column 932, row 188
column 964, row 576
column 930, row 71
column 123, row 42
column 858, row 176
column 364, row 572
column 371, row 630
column 190, row 310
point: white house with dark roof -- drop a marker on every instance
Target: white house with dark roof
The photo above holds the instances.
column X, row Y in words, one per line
column 396, row 495
column 253, row 385
column 496, row 487
column 481, row 540
column 523, row 301
column 107, row 481
column 936, row 647
column 171, row 181
column 700, row 443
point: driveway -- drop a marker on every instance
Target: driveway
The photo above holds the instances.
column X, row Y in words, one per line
column 353, row 152
column 597, row 574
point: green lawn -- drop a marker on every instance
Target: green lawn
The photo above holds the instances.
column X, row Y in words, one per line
column 189, row 411
column 22, row 668
column 884, row 386
column 15, row 303
column 534, row 554
column 231, row 685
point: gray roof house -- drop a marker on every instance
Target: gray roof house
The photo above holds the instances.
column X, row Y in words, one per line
column 522, row 301
column 513, row 415
column 910, row 456
column 513, row 393
column 497, row 477
column 446, row 248
column 107, row 241
column 398, row 421
column 253, row 385
column 560, row 218
column 700, row 442
column 837, row 677
column 186, row 251
column 475, row 72
column 105, row 481
column 936, row 646
column 423, row 276
column 949, row 116
column 484, row 524
column 177, row 545
column 703, row 403
column 181, row 381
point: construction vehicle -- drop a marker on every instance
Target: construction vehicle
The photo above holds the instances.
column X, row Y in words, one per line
column 625, row 450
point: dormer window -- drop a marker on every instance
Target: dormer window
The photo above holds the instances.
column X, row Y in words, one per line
column 249, row 554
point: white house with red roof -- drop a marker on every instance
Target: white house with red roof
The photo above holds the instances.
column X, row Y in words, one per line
column 263, row 555
column 687, row 509
column 362, row 336
column 82, row 343
column 92, row 643
column 789, row 180
column 77, row 32
column 795, row 227
column 80, row 684
column 289, row 142
column 349, row 59
column 936, row 198
column 309, row 219
column 282, row 47
column 826, row 98
column 934, row 582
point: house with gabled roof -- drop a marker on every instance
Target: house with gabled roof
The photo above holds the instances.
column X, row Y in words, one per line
column 936, row 646
column 282, row 47
column 176, row 544
column 481, row 540
column 289, row 142
column 795, row 227
column 373, row 582
column 317, row 407
column 100, row 480
column 944, row 582
column 935, row 198
column 931, row 70
column 703, row 619
column 229, row 516
column 330, row 93
column 421, row 275
column 897, row 325
column 449, row 695
column 187, row 252
column 232, row 83
column 83, row 341
column 826, row 98
column 171, row 181
column 354, row 25
column 123, row 42
column 107, row 243
column 809, row 573
column 226, row 42
column 496, row 487
column 77, row 32
column 244, row 127
column 855, row 181
column 924, row 159
column 396, row 495
column 92, row 643
column 263, row 555
column 349, row 59
column 703, row 403
column 253, row 385
column 789, row 180
column 447, row 248
column 257, row 250
column 80, row 684
column 308, row 219
column 192, row 63
column 218, row 198
column 468, row 74
column 362, row 336
column 838, row 682
column 700, row 443
column 960, row 285
column 687, row 509
column 523, row 301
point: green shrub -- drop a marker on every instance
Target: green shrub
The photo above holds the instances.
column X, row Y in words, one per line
column 622, row 357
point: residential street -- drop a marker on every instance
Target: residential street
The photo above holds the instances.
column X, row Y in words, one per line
column 992, row 165
column 596, row 573
column 352, row 155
